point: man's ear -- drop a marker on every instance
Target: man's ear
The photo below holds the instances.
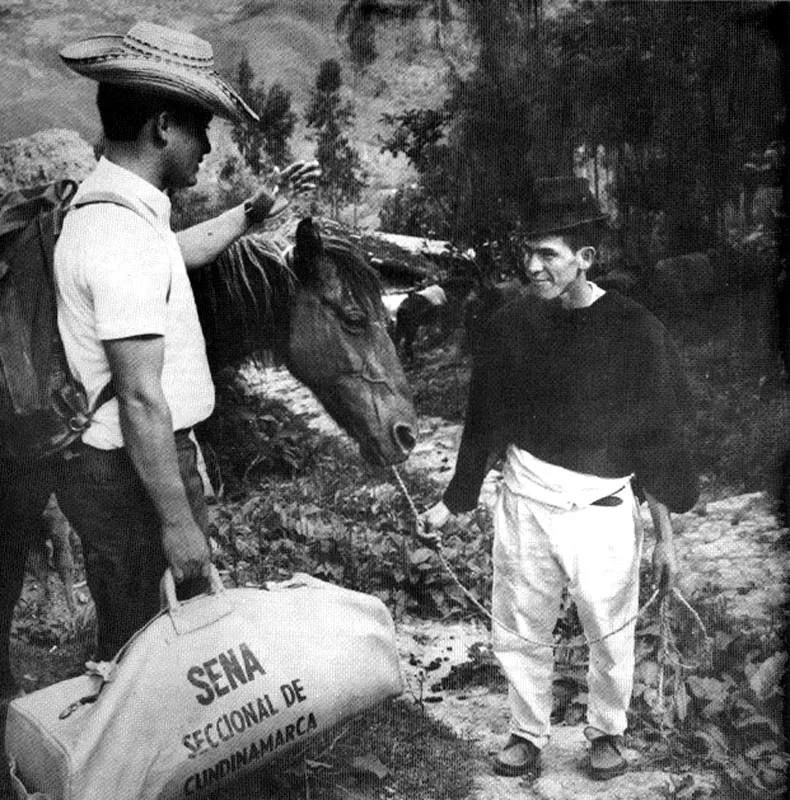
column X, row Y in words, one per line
column 586, row 255
column 161, row 127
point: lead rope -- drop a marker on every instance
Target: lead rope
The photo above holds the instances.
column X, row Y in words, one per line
column 554, row 646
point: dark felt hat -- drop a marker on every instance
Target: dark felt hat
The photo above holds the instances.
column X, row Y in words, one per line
column 561, row 204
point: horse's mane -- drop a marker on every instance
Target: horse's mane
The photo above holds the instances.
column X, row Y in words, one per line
column 243, row 298
column 252, row 274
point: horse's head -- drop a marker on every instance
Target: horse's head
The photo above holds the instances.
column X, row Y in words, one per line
column 339, row 347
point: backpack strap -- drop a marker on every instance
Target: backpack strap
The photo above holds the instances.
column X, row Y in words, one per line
column 105, row 395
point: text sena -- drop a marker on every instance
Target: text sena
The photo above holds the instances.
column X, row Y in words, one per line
column 221, row 675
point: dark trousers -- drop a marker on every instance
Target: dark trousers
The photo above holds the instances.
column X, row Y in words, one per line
column 24, row 492
column 107, row 504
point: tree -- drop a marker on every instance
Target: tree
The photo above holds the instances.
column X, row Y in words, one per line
column 678, row 95
column 426, row 208
column 342, row 176
column 270, row 135
column 475, row 157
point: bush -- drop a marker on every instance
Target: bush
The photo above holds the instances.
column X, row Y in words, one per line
column 741, row 431
column 413, row 212
column 351, row 527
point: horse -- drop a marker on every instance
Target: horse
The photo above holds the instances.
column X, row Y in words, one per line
column 392, row 302
column 435, row 305
column 317, row 308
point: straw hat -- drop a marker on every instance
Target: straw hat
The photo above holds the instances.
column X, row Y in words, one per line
column 562, row 203
column 160, row 59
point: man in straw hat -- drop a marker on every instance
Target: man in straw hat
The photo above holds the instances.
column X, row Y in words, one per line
column 582, row 391
column 128, row 318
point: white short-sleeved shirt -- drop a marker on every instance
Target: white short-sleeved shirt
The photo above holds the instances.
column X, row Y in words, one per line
column 120, row 273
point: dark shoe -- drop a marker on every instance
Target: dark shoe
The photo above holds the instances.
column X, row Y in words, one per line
column 518, row 757
column 606, row 760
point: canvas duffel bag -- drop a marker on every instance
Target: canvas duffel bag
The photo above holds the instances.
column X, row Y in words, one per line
column 212, row 688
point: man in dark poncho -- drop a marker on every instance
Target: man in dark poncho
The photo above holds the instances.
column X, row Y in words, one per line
column 582, row 391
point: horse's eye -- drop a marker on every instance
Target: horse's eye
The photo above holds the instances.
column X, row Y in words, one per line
column 354, row 319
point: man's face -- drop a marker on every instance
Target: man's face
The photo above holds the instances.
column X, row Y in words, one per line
column 187, row 144
column 551, row 267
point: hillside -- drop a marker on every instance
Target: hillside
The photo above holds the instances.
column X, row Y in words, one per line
column 285, row 41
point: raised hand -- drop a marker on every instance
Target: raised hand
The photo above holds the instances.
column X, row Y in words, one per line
column 280, row 188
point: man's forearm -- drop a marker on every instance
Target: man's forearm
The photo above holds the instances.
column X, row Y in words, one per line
column 202, row 243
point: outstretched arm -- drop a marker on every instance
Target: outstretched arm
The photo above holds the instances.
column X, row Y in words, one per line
column 202, row 243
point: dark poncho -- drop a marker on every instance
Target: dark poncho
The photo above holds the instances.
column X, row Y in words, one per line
column 598, row 390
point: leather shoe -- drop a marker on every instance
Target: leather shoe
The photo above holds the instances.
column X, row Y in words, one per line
column 606, row 759
column 518, row 757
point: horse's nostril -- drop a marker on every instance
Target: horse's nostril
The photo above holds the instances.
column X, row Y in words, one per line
column 404, row 436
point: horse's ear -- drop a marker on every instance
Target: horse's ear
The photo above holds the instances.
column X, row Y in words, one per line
column 308, row 251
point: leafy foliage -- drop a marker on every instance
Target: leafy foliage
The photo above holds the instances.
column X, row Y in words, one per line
column 697, row 89
column 675, row 98
column 422, row 209
column 413, row 211
column 343, row 527
column 235, row 182
column 249, row 436
column 717, row 703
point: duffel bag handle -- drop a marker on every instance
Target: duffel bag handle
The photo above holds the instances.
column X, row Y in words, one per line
column 169, row 600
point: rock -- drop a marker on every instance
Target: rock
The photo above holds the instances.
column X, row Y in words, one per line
column 44, row 156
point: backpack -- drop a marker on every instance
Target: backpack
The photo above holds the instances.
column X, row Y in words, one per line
column 43, row 408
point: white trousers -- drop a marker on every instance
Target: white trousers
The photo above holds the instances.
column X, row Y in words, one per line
column 595, row 551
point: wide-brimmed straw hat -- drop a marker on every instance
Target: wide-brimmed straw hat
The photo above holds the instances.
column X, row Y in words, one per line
column 159, row 59
column 562, row 203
